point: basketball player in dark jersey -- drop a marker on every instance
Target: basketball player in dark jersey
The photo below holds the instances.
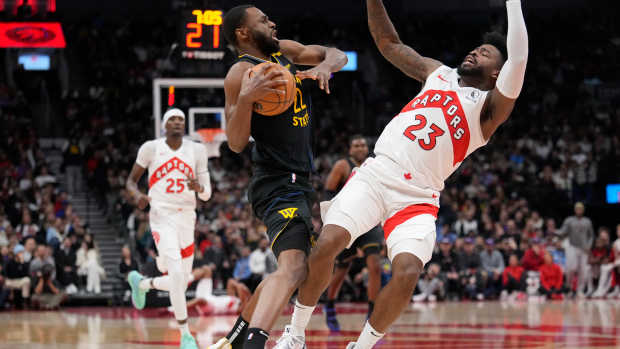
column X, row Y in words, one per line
column 280, row 190
column 369, row 243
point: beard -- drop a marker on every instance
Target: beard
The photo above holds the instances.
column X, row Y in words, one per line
column 475, row 71
column 266, row 44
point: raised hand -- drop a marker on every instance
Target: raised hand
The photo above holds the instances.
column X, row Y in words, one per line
column 317, row 73
column 193, row 184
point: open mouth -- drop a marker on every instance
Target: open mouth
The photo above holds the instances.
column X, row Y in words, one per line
column 470, row 60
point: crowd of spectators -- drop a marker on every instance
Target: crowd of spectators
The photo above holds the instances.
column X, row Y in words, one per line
column 502, row 228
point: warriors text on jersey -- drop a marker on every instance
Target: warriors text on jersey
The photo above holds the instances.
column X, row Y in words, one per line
column 284, row 141
column 434, row 132
column 169, row 171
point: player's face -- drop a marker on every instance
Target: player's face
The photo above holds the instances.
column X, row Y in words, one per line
column 262, row 31
column 359, row 150
column 484, row 61
column 175, row 126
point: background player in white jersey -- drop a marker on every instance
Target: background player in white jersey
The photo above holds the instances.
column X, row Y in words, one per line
column 177, row 170
column 456, row 112
column 206, row 303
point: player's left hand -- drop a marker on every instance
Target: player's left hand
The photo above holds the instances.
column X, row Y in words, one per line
column 193, row 184
column 317, row 73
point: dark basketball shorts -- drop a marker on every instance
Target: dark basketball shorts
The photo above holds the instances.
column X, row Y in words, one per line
column 284, row 207
column 369, row 243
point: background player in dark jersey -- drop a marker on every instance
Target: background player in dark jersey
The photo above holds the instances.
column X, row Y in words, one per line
column 369, row 243
column 280, row 191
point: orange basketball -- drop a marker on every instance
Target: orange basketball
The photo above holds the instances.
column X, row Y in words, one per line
column 273, row 103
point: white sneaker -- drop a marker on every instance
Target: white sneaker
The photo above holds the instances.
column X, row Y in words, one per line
column 432, row 298
column 352, row 345
column 614, row 293
column 288, row 341
column 503, row 296
column 419, row 297
column 480, row 297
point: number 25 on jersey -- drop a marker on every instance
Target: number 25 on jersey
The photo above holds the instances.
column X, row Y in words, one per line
column 436, row 131
column 175, row 185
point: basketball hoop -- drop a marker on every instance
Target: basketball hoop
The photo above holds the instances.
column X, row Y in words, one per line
column 212, row 138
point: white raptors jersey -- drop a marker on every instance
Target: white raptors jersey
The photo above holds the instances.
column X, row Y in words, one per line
column 169, row 171
column 434, row 132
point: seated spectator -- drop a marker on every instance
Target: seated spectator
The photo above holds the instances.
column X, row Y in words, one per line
column 17, row 276
column 430, row 286
column 493, row 265
column 258, row 263
column 44, row 177
column 242, row 270
column 533, row 257
column 551, row 278
column 42, row 258
column 599, row 256
column 608, row 274
column 66, row 268
column 447, row 260
column 128, row 263
column 469, row 271
column 557, row 251
column 513, row 278
column 88, row 262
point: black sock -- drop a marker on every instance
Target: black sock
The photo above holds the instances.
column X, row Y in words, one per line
column 330, row 304
column 256, row 339
column 236, row 336
column 371, row 307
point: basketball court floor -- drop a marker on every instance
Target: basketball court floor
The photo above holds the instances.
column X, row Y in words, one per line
column 562, row 324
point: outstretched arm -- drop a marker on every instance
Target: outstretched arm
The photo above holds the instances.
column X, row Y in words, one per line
column 326, row 60
column 400, row 55
column 501, row 100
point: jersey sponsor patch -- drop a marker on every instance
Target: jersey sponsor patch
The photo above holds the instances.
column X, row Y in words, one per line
column 288, row 213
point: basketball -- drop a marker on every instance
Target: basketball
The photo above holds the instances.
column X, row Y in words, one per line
column 273, row 103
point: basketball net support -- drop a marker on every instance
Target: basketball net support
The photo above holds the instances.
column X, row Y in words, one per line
column 211, row 138
column 159, row 83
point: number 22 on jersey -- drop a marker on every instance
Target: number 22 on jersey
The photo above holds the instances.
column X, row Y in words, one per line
column 435, row 132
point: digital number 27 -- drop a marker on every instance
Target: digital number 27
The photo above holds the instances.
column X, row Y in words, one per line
column 432, row 136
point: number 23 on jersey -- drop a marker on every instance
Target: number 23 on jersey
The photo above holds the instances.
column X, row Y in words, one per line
column 435, row 132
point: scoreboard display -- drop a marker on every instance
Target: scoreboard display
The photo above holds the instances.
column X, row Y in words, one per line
column 201, row 34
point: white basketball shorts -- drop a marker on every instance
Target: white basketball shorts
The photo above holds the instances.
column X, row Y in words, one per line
column 173, row 232
column 380, row 191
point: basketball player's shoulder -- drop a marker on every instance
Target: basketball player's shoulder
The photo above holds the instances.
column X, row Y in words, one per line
column 238, row 69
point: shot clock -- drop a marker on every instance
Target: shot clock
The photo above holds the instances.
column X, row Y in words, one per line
column 201, row 34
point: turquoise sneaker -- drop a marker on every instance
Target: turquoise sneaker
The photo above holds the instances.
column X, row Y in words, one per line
column 138, row 296
column 188, row 342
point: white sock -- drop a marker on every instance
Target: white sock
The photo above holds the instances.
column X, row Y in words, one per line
column 301, row 317
column 368, row 338
column 184, row 329
column 161, row 283
column 145, row 284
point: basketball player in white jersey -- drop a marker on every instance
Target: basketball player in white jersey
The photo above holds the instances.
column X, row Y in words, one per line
column 206, row 303
column 177, row 171
column 456, row 112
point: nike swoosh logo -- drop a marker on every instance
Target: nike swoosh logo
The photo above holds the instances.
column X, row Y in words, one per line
column 263, row 333
column 441, row 78
column 374, row 334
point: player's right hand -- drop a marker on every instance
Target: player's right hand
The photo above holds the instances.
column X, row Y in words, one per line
column 143, row 201
column 260, row 84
